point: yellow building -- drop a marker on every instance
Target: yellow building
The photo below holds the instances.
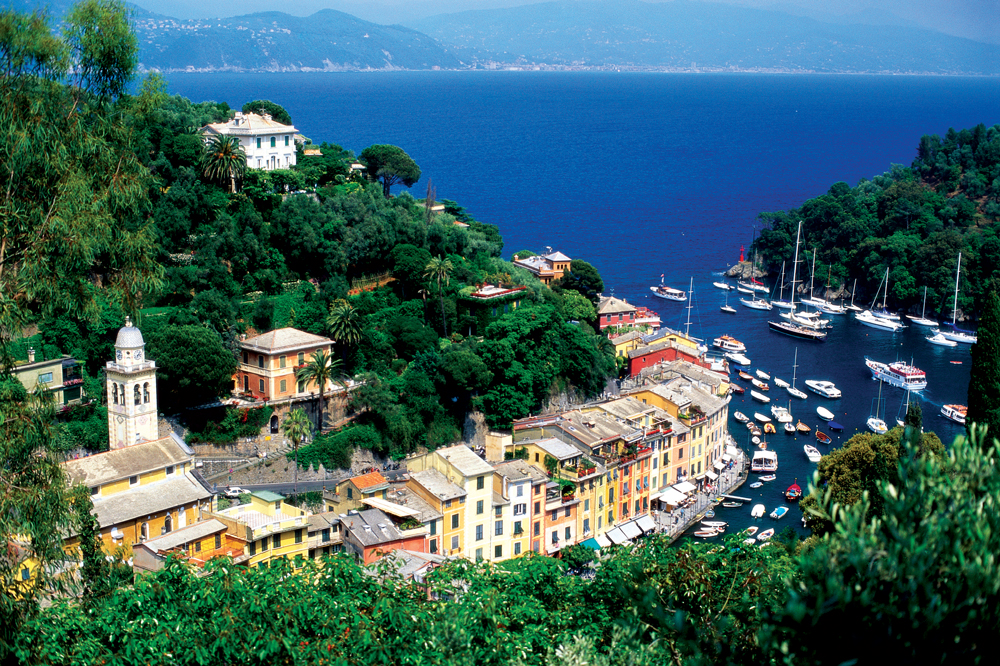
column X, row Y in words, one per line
column 271, row 528
column 196, row 544
column 446, row 498
column 626, row 342
column 355, row 490
column 521, row 485
column 60, row 376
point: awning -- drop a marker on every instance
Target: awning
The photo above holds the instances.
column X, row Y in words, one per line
column 672, row 497
column 616, row 536
column 712, row 475
column 684, row 487
column 592, row 544
column 602, row 541
column 646, row 524
column 630, row 529
column 726, row 457
column 718, row 464
column 731, row 450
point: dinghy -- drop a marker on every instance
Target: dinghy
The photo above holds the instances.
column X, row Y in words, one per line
column 824, row 413
column 767, row 534
column 757, row 511
column 779, row 513
column 812, row 453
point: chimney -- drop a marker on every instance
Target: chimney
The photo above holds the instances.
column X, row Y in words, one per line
column 31, row 354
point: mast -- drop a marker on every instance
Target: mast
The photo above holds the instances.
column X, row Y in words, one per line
column 687, row 327
column 781, row 283
column 958, row 273
column 795, row 269
column 854, row 289
column 923, row 312
column 795, row 367
column 812, row 276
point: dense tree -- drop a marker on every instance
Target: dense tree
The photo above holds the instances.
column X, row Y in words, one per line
column 984, row 377
column 320, row 369
column 224, row 161
column 582, row 278
column 194, row 366
column 391, row 165
column 345, row 324
column 262, row 106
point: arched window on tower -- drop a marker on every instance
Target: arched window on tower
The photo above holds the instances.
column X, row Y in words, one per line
column 136, row 392
column 114, row 393
column 145, row 392
column 144, row 531
column 121, row 392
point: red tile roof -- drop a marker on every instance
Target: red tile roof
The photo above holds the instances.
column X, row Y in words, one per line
column 369, row 480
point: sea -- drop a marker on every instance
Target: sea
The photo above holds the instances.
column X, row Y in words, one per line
column 653, row 174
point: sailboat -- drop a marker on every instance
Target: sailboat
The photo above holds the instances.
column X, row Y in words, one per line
column 904, row 409
column 815, row 302
column 881, row 312
column 794, row 392
column 852, row 307
column 880, row 317
column 798, row 327
column 950, row 331
column 825, row 305
column 921, row 320
column 727, row 307
column 781, row 302
column 875, row 423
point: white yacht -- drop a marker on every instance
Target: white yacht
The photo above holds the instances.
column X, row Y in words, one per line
column 939, row 339
column 729, row 344
column 781, row 414
column 922, row 320
column 756, row 303
column 738, row 358
column 899, row 374
column 823, row 388
column 723, row 285
column 869, row 319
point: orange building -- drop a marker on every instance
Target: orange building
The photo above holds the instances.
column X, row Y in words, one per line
column 547, row 267
column 268, row 363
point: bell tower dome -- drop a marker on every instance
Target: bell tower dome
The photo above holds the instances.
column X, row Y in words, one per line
column 131, row 387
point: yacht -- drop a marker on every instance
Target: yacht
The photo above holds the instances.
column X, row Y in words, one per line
column 812, row 453
column 939, row 339
column 753, row 286
column 796, row 331
column 955, row 412
column 781, row 414
column 870, row 319
column 669, row 293
column 951, row 331
column 792, row 391
column 824, row 388
column 723, row 285
column 780, row 302
column 737, row 358
column 922, row 320
column 806, row 319
column 756, row 303
column 729, row 344
column 881, row 312
column 898, row 374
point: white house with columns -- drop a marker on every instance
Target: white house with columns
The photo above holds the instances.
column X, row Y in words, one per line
column 268, row 144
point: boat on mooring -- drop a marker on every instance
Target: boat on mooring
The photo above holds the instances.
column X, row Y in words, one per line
column 794, row 493
column 758, row 510
column 741, row 417
column 767, row 534
column 764, row 461
column 939, row 339
column 822, row 437
column 728, row 343
column 760, row 397
column 779, row 512
column 812, row 453
column 738, row 358
column 824, row 388
column 723, row 285
column 899, row 374
column 668, row 293
column 955, row 412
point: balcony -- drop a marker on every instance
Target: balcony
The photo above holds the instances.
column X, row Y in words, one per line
column 643, row 452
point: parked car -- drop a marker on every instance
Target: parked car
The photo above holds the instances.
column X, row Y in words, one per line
column 234, row 492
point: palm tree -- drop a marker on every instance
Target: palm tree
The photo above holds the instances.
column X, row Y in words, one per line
column 297, row 428
column 224, row 160
column 345, row 324
column 320, row 369
column 440, row 270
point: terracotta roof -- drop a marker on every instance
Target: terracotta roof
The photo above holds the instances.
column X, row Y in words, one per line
column 284, row 339
column 250, row 123
column 125, row 462
column 369, row 480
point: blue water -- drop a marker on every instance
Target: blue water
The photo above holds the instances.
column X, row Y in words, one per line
column 650, row 174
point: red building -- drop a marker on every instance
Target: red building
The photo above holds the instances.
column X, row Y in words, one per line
column 646, row 357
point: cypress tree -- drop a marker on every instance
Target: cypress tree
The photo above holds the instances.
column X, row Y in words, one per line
column 984, row 380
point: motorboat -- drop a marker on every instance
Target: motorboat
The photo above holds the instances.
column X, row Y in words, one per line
column 738, row 358
column 822, row 437
column 767, row 534
column 761, row 418
column 741, row 417
column 717, row 524
column 951, row 331
column 710, row 514
column 749, row 541
column 753, row 285
column 875, row 422
column 812, row 453
column 767, row 477
column 751, row 531
column 810, row 320
column 758, row 509
column 868, row 318
column 789, row 429
column 955, row 412
column 769, row 428
column 756, row 303
column 939, row 339
column 734, row 388
column 780, row 383
column 764, row 461
column 781, row 414
column 762, row 375
column 922, row 320
column 723, row 285
column 824, row 413
column 756, row 484
column 834, row 426
column 732, row 505
column 824, row 388
column 729, row 344
column 707, row 533
column 669, row 293
column 752, row 427
column 779, row 512
column 755, row 440
column 831, row 308
column 760, row 397
column 796, row 330
column 794, row 493
column 802, row 428
column 759, row 384
column 745, row 376
column 898, row 374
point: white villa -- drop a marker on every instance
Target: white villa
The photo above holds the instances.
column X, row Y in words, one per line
column 268, row 144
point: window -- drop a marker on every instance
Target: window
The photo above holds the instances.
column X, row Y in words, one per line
column 680, row 454
column 599, row 518
column 569, row 533
column 586, row 525
column 301, row 387
column 258, row 147
column 479, row 554
column 260, row 361
column 454, row 543
column 434, row 527
column 302, row 358
column 286, row 140
column 538, row 508
column 281, row 361
column 25, row 573
column 555, row 514
column 45, row 378
column 568, row 509
column 637, row 506
column 498, row 552
column 218, row 541
column 350, row 492
column 536, row 455
column 170, row 470
column 260, row 385
column 498, row 528
column 517, row 548
column 283, row 386
column 298, row 536
column 144, row 531
column 479, row 532
column 520, row 509
column 276, row 540
column 114, row 393
column 133, row 480
column 611, row 516
column 555, row 536
column 434, row 546
column 517, row 527
column 534, row 546
column 197, row 546
column 135, row 391
column 520, row 491
column 246, row 358
column 538, row 528
column 454, row 522
column 499, row 511
column 253, row 549
column 274, row 141
column 325, row 535
column 447, row 504
column 145, row 393
column 461, row 500
column 479, row 507
column 586, row 505
column 96, row 490
column 480, row 482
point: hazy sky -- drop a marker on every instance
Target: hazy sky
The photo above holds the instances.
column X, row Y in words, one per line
column 975, row 19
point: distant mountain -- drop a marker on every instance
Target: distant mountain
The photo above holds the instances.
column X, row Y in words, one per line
column 271, row 41
column 693, row 35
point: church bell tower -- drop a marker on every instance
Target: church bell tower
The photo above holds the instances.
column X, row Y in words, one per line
column 131, row 386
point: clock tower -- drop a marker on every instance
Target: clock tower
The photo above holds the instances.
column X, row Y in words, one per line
column 131, row 387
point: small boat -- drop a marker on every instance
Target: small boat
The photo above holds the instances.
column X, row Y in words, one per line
column 834, row 426
column 737, row 358
column 756, row 484
column 707, row 534
column 723, row 285
column 717, row 524
column 732, row 505
column 955, row 362
column 752, row 530
column 769, row 428
column 749, row 541
column 755, row 440
column 794, row 493
column 812, row 453
column 780, row 383
column 757, row 511
column 898, row 374
column 759, row 384
column 752, row 427
column 824, row 413
column 756, row 303
column 789, row 429
column 824, row 388
column 767, row 477
column 710, row 514
column 763, row 375
column 759, row 397
column 741, row 417
column 955, row 412
column 803, row 428
column 781, row 414
column 939, row 339
column 767, row 534
column 877, row 425
column 822, row 437
column 779, row 512
column 739, row 390
column 761, row 418
column 669, row 293
column 764, row 461
column 743, row 290
column 727, row 308
column 729, row 344
column 745, row 376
